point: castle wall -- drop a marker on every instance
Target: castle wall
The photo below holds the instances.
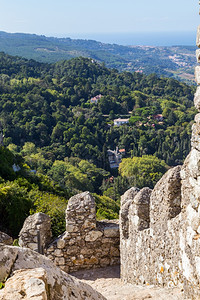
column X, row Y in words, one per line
column 85, row 244
column 167, row 253
column 158, row 254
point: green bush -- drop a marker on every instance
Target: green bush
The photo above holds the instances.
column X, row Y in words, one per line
column 52, row 205
column 14, row 207
column 106, row 208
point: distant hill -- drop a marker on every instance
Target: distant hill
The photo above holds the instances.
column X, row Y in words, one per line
column 177, row 61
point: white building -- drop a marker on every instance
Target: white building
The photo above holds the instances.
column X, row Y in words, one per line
column 119, row 122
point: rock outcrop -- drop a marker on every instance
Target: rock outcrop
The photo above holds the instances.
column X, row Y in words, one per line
column 26, row 284
column 34, row 276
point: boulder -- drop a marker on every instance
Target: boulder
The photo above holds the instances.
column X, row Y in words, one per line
column 26, row 284
column 61, row 286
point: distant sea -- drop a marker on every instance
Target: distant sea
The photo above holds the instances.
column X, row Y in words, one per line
column 140, row 38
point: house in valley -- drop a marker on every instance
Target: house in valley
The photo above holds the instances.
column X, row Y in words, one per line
column 119, row 121
column 115, row 157
column 96, row 99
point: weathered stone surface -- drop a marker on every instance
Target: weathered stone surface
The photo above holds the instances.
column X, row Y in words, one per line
column 146, row 249
column 198, row 55
column 126, row 201
column 166, row 197
column 81, row 208
column 195, row 139
column 197, row 75
column 34, row 223
column 139, row 209
column 198, row 37
column 93, row 236
column 26, row 284
column 190, row 175
column 61, row 286
column 5, row 238
column 129, row 195
column 7, row 259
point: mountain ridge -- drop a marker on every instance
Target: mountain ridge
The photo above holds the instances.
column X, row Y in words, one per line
column 176, row 61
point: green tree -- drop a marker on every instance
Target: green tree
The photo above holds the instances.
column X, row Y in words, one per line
column 142, row 171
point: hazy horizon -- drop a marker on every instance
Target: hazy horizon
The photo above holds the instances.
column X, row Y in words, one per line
column 131, row 39
column 139, row 38
column 76, row 18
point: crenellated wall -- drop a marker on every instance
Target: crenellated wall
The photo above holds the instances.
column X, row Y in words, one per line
column 85, row 244
column 167, row 251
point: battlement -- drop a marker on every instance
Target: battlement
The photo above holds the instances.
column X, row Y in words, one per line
column 86, row 243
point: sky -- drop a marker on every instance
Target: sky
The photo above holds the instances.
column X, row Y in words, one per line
column 73, row 18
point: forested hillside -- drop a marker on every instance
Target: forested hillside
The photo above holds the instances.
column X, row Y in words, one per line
column 49, row 105
column 60, row 139
column 177, row 61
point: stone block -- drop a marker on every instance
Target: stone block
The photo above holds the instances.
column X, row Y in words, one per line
column 73, row 250
column 104, row 262
column 93, row 236
column 72, row 228
column 59, row 261
column 58, row 252
column 111, row 231
column 91, row 261
column 78, row 262
column 88, row 225
column 86, row 251
column 32, row 246
column 114, row 251
column 61, row 244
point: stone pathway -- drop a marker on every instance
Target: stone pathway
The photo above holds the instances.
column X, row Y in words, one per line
column 107, row 282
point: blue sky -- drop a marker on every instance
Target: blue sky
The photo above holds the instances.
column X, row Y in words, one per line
column 63, row 17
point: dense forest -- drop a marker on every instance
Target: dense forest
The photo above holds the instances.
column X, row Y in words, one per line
column 59, row 139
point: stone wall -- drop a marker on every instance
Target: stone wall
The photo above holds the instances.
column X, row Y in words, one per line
column 167, row 251
column 86, row 243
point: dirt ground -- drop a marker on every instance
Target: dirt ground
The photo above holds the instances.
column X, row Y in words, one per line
column 107, row 282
